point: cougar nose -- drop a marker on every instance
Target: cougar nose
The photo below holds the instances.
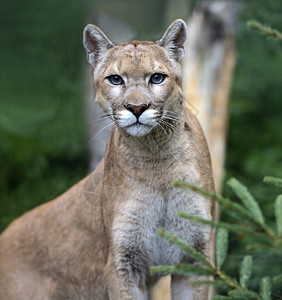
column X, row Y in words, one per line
column 137, row 110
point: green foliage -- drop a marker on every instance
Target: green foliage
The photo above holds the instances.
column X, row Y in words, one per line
column 278, row 214
column 249, row 215
column 265, row 29
column 187, row 248
column 255, row 135
column 221, row 246
column 273, row 180
column 225, row 202
column 181, row 269
column 251, row 212
column 265, row 289
column 246, row 270
column 224, row 298
column 247, row 200
column 224, row 225
column 42, row 111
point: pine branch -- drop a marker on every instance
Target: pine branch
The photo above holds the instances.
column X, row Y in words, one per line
column 228, row 280
column 265, row 289
column 250, row 211
column 210, row 268
column 244, row 294
column 226, row 203
column 278, row 215
column 200, row 258
column 247, row 199
column 246, row 270
column 266, row 29
column 187, row 248
column 224, row 225
column 221, row 247
column 277, row 278
column 218, row 297
column 273, row 180
column 181, row 269
column 238, row 290
column 217, row 283
column 259, row 246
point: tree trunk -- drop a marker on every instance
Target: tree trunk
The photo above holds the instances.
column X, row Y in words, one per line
column 208, row 71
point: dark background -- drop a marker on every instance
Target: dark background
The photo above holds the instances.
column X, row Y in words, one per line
column 43, row 128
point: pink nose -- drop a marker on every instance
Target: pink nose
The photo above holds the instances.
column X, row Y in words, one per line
column 137, row 110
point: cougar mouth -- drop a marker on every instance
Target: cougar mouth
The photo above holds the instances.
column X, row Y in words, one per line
column 137, row 123
column 137, row 126
column 138, row 129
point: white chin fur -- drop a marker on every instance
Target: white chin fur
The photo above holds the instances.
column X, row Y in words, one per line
column 138, row 130
column 127, row 120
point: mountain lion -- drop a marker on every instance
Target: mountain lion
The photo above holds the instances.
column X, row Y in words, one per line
column 98, row 239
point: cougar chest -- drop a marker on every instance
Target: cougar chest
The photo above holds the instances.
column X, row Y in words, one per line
column 142, row 212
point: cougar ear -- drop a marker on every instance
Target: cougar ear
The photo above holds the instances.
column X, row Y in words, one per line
column 96, row 43
column 174, row 38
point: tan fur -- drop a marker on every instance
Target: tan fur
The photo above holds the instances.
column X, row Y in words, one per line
column 98, row 240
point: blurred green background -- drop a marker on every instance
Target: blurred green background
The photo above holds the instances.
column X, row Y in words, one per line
column 43, row 129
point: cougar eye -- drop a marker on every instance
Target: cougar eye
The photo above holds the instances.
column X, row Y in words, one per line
column 115, row 79
column 157, row 78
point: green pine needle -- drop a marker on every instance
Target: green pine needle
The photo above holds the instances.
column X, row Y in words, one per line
column 221, row 246
column 278, row 215
column 226, row 203
column 223, row 298
column 277, row 278
column 246, row 270
column 217, row 283
column 259, row 246
column 185, row 247
column 273, row 180
column 181, row 269
column 244, row 294
column 247, row 199
column 266, row 29
column 250, row 210
column 265, row 288
column 224, row 225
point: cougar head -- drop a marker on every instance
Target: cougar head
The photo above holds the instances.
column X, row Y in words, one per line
column 138, row 84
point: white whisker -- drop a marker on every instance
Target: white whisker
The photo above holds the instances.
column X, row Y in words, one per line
column 103, row 122
column 100, row 131
column 167, row 124
column 171, row 113
column 159, row 123
column 170, row 118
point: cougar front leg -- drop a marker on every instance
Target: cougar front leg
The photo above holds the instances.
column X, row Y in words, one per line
column 125, row 282
column 181, row 288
